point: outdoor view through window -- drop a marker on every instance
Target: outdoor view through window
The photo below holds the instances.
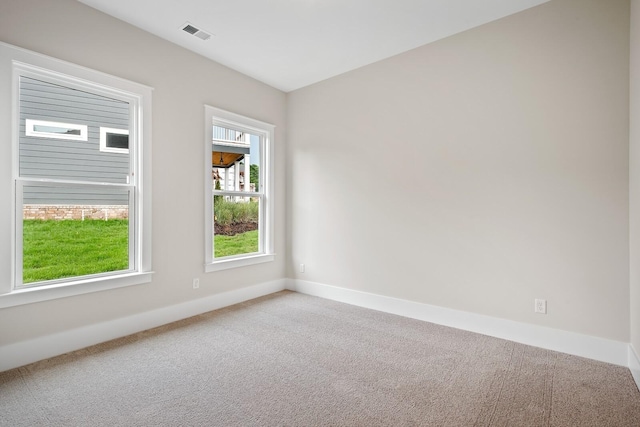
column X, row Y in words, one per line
column 73, row 198
column 237, row 193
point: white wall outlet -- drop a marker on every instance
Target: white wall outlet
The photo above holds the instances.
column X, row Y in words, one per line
column 196, row 283
column 540, row 306
column 301, row 268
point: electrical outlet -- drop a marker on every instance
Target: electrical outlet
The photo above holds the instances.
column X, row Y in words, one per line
column 540, row 306
column 301, row 268
column 196, row 283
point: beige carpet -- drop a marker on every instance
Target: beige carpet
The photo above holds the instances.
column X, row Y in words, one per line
column 294, row 360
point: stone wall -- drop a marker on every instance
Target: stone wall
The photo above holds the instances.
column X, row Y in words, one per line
column 80, row 212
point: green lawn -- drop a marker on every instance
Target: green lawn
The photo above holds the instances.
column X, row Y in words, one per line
column 243, row 243
column 58, row 249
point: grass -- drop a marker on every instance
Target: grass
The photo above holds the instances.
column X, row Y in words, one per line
column 243, row 243
column 59, row 249
column 228, row 212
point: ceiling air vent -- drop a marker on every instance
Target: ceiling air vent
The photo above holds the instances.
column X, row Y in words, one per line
column 196, row 31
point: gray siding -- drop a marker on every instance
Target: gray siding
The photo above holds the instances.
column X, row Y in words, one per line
column 70, row 159
column 45, row 195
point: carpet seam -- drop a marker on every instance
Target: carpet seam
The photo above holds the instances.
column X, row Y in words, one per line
column 504, row 380
column 551, row 386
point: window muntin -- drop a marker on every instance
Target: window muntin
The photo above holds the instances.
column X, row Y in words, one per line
column 114, row 140
column 56, row 130
column 238, row 190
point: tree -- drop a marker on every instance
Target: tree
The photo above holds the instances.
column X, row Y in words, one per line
column 254, row 171
column 218, row 198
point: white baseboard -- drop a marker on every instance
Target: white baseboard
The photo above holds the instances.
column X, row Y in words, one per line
column 601, row 349
column 634, row 364
column 25, row 352
column 619, row 353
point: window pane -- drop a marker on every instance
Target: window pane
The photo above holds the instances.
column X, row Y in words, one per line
column 235, row 155
column 235, row 166
column 225, row 134
column 115, row 140
column 63, row 158
column 235, row 225
column 56, row 129
column 87, row 234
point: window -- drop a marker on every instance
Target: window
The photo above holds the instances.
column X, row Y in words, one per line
column 44, row 129
column 81, row 191
column 238, row 190
column 114, row 140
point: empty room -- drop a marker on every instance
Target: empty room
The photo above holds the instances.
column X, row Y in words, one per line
column 320, row 212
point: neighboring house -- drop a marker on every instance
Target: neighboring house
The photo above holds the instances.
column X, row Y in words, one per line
column 230, row 159
column 220, row 175
column 73, row 135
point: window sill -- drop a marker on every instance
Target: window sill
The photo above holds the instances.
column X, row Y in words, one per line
column 63, row 290
column 238, row 262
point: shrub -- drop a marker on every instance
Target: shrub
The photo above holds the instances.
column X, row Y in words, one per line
column 229, row 212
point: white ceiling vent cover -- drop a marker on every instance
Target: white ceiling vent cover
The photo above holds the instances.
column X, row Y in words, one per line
column 191, row 29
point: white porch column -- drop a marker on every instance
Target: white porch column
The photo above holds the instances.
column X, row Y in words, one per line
column 226, row 179
column 236, row 179
column 247, row 172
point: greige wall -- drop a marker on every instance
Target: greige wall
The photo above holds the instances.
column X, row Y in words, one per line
column 477, row 173
column 634, row 176
column 183, row 83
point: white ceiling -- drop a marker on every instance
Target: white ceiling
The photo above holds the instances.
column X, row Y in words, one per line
column 289, row 44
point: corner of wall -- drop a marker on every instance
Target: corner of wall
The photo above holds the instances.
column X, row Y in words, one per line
column 634, row 364
column 634, row 185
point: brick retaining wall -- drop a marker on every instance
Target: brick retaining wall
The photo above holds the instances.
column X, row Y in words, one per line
column 75, row 212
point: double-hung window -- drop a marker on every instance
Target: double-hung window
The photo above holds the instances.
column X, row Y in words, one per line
column 80, row 180
column 238, row 190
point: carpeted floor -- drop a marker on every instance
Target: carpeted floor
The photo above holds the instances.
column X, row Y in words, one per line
column 293, row 360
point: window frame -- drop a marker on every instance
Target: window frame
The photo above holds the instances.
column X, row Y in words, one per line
column 16, row 62
column 103, row 140
column 265, row 131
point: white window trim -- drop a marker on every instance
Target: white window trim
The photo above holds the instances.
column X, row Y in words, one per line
column 13, row 63
column 30, row 130
column 223, row 118
column 103, row 140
